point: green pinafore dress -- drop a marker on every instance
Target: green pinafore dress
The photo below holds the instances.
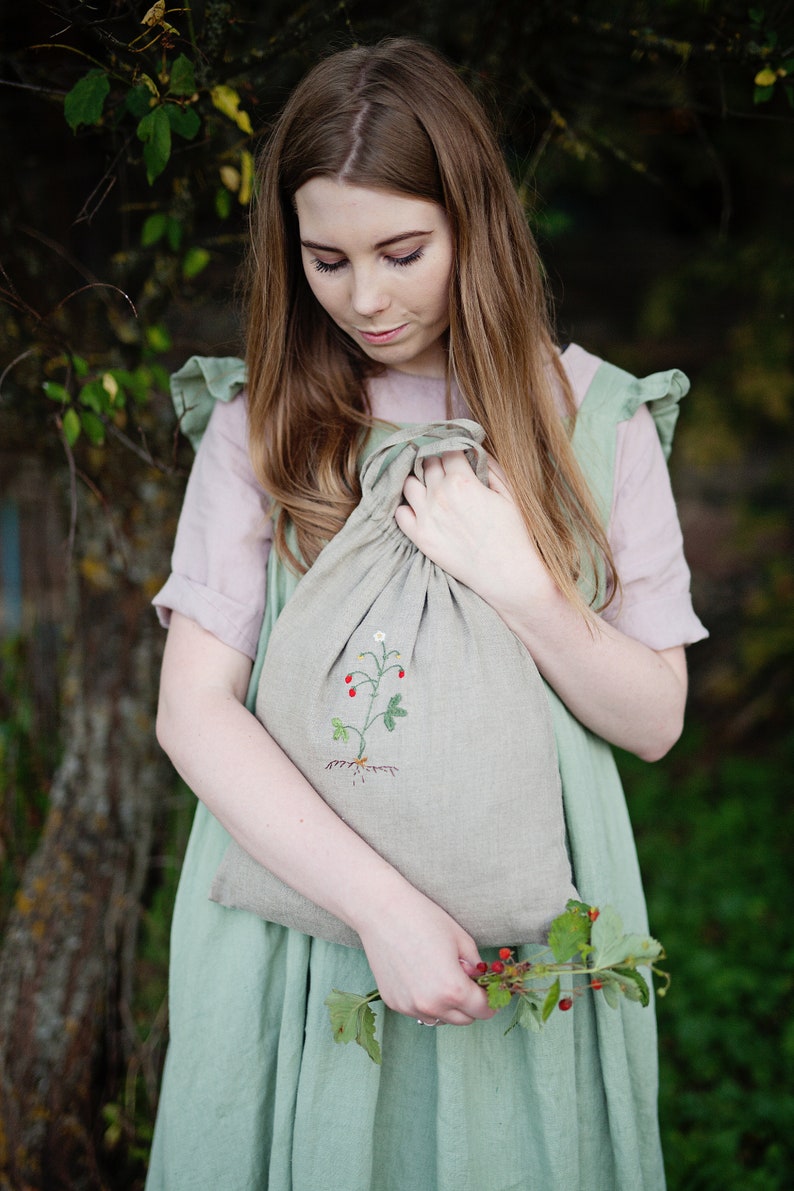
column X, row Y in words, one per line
column 257, row 1096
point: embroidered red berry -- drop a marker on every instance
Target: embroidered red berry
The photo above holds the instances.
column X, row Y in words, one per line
column 352, row 692
column 348, row 678
column 593, row 913
column 401, row 674
column 497, row 967
column 596, row 984
column 566, row 1004
column 482, row 966
column 505, row 953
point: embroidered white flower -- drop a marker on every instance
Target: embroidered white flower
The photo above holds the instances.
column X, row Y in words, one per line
column 379, row 636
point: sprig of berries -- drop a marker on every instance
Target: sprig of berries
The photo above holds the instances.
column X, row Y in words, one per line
column 583, row 942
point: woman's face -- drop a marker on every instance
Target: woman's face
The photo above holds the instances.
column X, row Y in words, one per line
column 379, row 263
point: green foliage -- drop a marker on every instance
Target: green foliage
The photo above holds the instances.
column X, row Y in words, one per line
column 85, row 102
column 713, row 847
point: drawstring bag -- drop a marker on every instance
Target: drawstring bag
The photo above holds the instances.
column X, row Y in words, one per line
column 419, row 717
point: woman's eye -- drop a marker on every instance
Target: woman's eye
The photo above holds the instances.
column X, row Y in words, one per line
column 327, row 266
column 409, row 259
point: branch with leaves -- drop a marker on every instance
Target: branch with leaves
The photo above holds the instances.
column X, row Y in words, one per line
column 583, row 942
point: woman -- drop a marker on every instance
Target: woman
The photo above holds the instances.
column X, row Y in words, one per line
column 392, row 279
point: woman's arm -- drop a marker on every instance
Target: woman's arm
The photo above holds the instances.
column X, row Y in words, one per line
column 420, row 957
column 629, row 694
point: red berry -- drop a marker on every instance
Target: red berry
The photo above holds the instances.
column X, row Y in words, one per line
column 505, row 953
column 482, row 966
column 401, row 674
column 497, row 967
column 352, row 692
column 596, row 984
column 348, row 678
column 593, row 913
column 566, row 1004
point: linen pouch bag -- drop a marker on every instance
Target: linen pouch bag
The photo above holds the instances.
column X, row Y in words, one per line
column 419, row 717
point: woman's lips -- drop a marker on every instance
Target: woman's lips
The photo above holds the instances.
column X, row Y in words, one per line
column 376, row 337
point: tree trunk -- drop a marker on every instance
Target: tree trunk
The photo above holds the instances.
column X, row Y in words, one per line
column 67, row 955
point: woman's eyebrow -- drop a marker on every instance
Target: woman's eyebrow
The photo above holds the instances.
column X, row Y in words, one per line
column 381, row 243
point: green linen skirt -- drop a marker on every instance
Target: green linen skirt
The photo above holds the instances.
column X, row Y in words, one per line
column 257, row 1095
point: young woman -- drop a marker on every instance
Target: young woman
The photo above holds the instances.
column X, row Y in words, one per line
column 392, row 279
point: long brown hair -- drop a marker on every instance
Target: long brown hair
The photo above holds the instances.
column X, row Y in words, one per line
column 396, row 117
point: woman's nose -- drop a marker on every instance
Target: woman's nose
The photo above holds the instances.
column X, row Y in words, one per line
column 369, row 296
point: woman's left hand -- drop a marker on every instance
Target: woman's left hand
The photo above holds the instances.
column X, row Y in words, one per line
column 473, row 532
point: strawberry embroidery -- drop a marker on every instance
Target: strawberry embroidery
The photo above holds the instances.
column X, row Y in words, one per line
column 380, row 708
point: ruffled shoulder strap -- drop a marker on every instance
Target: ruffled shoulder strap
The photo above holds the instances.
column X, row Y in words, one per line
column 196, row 387
column 614, row 396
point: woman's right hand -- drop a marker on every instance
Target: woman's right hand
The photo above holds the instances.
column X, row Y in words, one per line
column 423, row 961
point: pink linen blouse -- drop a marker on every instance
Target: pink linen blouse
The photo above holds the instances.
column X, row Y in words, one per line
column 224, row 534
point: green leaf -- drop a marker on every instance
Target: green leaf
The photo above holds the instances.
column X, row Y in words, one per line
column 183, row 79
column 139, row 100
column 340, row 731
column 55, row 392
column 154, row 229
column 185, row 122
column 157, row 338
column 196, row 260
column 611, row 946
column 611, row 989
column 762, row 94
column 223, row 203
column 85, row 102
column 93, row 427
column 174, row 232
column 756, row 15
column 498, row 997
column 528, row 1014
column 71, row 426
column 155, row 132
column 633, row 985
column 352, row 1020
column 80, row 365
column 550, row 1003
column 95, row 396
column 392, row 712
column 570, row 932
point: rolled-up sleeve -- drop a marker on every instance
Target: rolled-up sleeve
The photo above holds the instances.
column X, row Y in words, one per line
column 223, row 539
column 654, row 604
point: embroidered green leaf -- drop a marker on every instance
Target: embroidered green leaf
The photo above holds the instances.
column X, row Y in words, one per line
column 340, row 731
column 352, row 1020
column 392, row 712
